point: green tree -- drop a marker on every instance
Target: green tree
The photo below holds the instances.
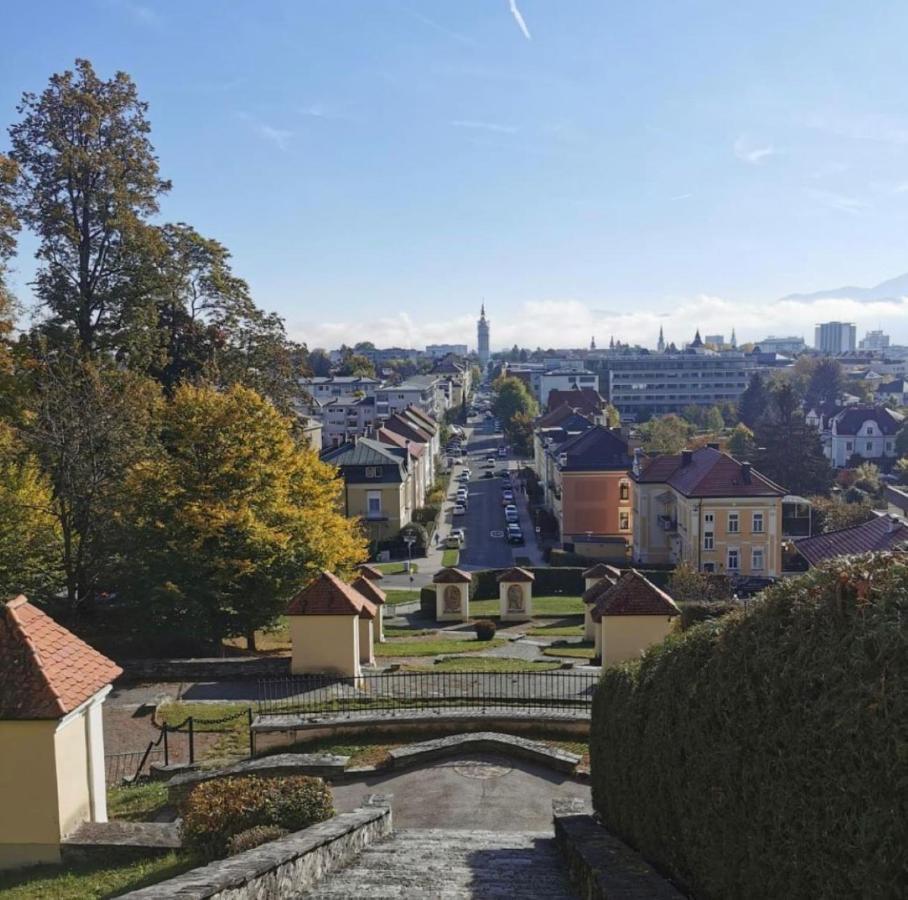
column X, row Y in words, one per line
column 901, row 469
column 510, row 398
column 867, row 478
column 233, row 518
column 88, row 184
column 320, row 363
column 353, row 364
column 713, row 420
column 789, row 452
column 612, row 416
column 827, row 383
column 741, row 443
column 9, row 227
column 666, row 434
column 754, row 402
column 686, row 584
column 832, row 514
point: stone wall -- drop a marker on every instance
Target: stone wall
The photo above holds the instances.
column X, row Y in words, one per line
column 213, row 669
column 284, row 868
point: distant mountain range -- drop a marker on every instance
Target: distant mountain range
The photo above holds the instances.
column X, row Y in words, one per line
column 893, row 289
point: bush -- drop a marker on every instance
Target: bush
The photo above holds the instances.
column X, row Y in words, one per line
column 485, row 629
column 692, row 613
column 254, row 837
column 762, row 755
column 217, row 810
column 548, row 581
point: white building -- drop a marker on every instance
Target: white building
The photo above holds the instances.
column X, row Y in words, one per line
column 874, row 340
column 783, row 345
column 328, row 387
column 861, row 431
column 835, row 337
column 427, row 392
column 563, row 380
column 439, row 351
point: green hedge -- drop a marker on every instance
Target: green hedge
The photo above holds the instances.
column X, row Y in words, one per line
column 548, row 582
column 764, row 754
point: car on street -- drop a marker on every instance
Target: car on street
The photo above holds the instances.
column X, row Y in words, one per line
column 488, row 474
column 455, row 540
column 459, row 509
column 507, row 498
column 515, row 534
column 490, row 462
column 464, row 475
column 511, row 514
column 502, row 452
column 462, row 495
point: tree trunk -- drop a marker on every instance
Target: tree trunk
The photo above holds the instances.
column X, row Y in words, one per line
column 250, row 640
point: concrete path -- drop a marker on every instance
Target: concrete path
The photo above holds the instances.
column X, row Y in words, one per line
column 484, row 791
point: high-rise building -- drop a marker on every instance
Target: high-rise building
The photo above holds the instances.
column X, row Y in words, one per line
column 773, row 344
column 717, row 340
column 482, row 338
column 835, row 337
column 874, row 340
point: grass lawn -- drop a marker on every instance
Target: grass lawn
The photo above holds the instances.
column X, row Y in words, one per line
column 395, row 597
column 398, row 567
column 273, row 641
column 407, row 631
column 483, row 664
column 556, row 629
column 434, row 648
column 136, row 802
column 542, row 606
column 91, row 881
column 234, row 733
column 583, row 650
column 450, row 557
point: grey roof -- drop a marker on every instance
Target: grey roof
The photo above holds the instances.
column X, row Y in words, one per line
column 595, row 450
column 365, row 452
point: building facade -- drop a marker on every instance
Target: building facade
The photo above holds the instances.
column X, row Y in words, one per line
column 439, row 351
column 707, row 509
column 861, row 431
column 482, row 339
column 563, row 380
column 874, row 340
column 835, row 337
column 787, row 346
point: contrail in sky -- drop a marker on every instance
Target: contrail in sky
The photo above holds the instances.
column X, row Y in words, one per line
column 515, row 12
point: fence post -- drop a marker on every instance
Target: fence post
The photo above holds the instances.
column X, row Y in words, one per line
column 251, row 733
column 189, row 722
column 166, row 751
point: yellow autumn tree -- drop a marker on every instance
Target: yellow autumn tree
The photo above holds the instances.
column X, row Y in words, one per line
column 231, row 519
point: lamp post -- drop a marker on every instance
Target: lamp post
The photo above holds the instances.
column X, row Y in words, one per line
column 409, row 540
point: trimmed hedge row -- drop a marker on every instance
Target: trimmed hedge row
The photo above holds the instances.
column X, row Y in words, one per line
column 763, row 754
column 548, row 581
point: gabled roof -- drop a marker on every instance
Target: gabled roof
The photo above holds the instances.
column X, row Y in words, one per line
column 415, row 448
column 555, row 416
column 595, row 450
column 516, row 574
column 634, row 595
column 850, row 421
column 586, row 400
column 892, row 387
column 406, row 428
column 329, row 596
column 422, row 418
column 592, row 594
column 708, row 472
column 370, row 590
column 370, row 572
column 365, row 452
column 45, row 670
column 451, row 576
column 602, row 570
column 881, row 533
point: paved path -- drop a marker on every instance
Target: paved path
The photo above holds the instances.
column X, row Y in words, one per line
column 417, row 865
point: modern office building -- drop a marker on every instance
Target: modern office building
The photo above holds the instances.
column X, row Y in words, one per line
column 784, row 345
column 717, row 340
column 482, row 338
column 874, row 340
column 438, row 351
column 563, row 380
column 643, row 384
column 835, row 337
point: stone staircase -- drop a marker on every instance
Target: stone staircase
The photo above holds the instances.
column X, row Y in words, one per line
column 435, row 863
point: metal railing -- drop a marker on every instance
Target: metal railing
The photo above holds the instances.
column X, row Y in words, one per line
column 122, row 767
column 332, row 696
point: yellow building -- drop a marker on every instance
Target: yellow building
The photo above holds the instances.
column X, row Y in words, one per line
column 707, row 509
column 630, row 616
column 52, row 686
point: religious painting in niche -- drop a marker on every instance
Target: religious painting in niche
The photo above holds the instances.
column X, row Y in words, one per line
column 451, row 600
column 515, row 598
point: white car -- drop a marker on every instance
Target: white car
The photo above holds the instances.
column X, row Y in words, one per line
column 462, row 495
column 459, row 509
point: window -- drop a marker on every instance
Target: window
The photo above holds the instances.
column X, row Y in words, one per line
column 373, row 471
column 732, row 523
column 758, row 523
column 708, row 542
column 624, row 521
column 709, row 567
column 708, row 519
column 625, row 490
column 373, row 504
column 849, row 445
column 732, row 559
column 757, row 560
column 869, row 446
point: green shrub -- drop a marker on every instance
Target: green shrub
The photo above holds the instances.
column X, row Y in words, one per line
column 217, row 810
column 427, row 600
column 693, row 613
column 763, row 754
column 485, row 629
column 548, row 582
column 254, row 837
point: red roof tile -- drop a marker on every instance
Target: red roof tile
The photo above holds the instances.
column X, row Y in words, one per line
column 370, row 590
column 708, row 472
column 603, row 570
column 585, row 400
column 516, row 574
column 634, row 595
column 328, row 596
column 451, row 576
column 881, row 533
column 592, row 594
column 370, row 572
column 45, row 670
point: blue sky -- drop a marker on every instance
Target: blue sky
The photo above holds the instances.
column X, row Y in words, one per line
column 379, row 166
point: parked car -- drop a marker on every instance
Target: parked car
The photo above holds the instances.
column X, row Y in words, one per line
column 459, row 509
column 455, row 540
column 488, row 474
column 511, row 514
column 507, row 498
column 504, row 473
column 515, row 535
column 462, row 495
column 490, row 462
column 502, row 452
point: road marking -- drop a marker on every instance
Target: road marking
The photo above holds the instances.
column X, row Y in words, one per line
column 496, row 534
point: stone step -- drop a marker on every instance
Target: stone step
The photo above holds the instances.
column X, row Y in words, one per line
column 438, row 863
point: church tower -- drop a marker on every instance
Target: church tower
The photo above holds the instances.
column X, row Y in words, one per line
column 482, row 338
column 660, row 346
column 734, row 340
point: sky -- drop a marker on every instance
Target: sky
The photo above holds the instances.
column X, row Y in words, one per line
column 587, row 167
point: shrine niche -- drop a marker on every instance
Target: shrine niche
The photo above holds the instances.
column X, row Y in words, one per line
column 515, row 588
column 452, row 595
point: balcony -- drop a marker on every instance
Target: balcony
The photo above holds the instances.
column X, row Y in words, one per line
column 667, row 523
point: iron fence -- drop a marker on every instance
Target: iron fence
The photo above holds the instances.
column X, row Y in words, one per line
column 325, row 695
column 124, row 767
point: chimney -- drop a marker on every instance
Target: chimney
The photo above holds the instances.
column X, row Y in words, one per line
column 892, row 524
column 745, row 472
column 712, row 445
column 686, row 457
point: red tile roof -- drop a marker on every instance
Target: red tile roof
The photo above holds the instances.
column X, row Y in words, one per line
column 370, row 572
column 555, row 416
column 407, row 428
column 881, row 533
column 45, row 670
column 516, row 574
column 370, row 590
column 328, row 596
column 585, row 400
column 708, row 473
column 634, row 595
column 414, row 447
column 602, row 570
column 592, row 594
column 451, row 576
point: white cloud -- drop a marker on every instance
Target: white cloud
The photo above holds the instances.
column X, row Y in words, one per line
column 571, row 323
column 750, row 152
column 518, row 18
column 280, row 137
column 484, row 126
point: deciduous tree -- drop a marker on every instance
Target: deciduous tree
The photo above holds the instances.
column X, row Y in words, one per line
column 666, row 434
column 754, row 401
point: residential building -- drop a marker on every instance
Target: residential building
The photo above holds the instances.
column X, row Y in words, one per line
column 550, row 432
column 330, row 387
column 425, row 391
column 835, row 337
column 787, row 346
column 378, row 486
column 483, row 327
column 380, row 356
column 642, row 384
column 564, row 380
column 594, row 494
column 874, row 340
column 345, row 418
column 867, row 432
column 438, row 351
column 886, row 532
column 707, row 509
column 895, row 392
column 586, row 401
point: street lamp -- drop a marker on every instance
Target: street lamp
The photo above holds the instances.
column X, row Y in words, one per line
column 409, row 540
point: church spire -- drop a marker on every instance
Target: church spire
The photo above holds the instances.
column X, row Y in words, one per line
column 593, row 342
column 734, row 340
column 660, row 346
